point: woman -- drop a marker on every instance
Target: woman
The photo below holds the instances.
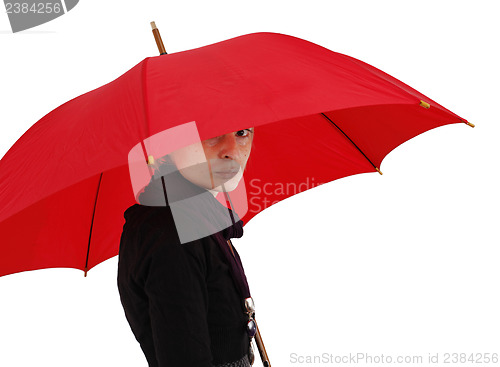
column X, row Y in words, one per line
column 180, row 281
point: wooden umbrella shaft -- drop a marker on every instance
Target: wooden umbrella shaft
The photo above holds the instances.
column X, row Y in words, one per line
column 159, row 42
column 261, row 348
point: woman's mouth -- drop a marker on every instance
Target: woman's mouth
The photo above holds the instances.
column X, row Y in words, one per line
column 226, row 174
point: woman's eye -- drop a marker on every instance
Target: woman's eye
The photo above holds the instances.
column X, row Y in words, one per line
column 243, row 133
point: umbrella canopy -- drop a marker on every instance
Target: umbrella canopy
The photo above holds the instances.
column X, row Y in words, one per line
column 318, row 116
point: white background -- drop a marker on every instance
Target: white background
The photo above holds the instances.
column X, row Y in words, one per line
column 401, row 264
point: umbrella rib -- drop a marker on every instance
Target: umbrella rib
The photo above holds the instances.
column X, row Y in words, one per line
column 92, row 224
column 353, row 143
column 228, row 201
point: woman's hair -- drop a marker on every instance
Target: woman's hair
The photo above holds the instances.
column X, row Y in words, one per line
column 163, row 166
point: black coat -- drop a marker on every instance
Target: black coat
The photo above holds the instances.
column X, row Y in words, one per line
column 181, row 299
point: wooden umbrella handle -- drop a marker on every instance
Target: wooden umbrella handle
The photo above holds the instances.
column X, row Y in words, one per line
column 159, row 42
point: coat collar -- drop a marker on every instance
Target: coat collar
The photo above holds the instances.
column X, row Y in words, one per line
column 197, row 213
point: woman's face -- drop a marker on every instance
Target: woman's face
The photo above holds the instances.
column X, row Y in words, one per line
column 216, row 163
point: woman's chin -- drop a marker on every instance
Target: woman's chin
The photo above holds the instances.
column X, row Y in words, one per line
column 227, row 186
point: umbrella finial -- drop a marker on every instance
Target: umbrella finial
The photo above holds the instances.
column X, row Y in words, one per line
column 159, row 42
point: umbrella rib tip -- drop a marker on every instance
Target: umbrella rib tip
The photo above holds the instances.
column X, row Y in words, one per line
column 424, row 104
column 378, row 170
column 467, row 122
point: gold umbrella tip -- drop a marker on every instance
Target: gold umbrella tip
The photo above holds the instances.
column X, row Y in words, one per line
column 378, row 170
column 470, row 124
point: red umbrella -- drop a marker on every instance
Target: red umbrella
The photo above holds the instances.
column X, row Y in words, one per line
column 319, row 116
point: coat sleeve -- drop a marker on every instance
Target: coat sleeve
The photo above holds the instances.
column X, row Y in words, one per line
column 175, row 286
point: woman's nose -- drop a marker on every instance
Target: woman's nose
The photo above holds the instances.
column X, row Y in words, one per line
column 229, row 147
